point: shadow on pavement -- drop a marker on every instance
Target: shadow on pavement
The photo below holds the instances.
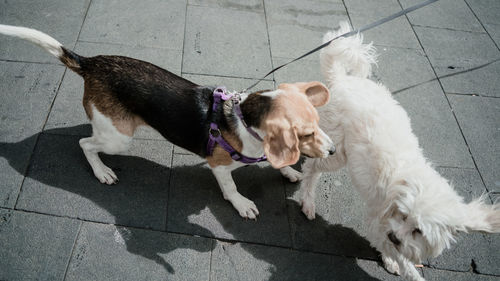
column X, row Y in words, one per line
column 139, row 200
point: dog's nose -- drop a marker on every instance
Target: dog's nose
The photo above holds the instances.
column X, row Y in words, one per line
column 331, row 150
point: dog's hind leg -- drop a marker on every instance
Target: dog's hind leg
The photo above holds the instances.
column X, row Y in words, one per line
column 105, row 138
column 311, row 172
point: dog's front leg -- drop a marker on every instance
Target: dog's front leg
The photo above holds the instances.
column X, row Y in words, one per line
column 291, row 174
column 245, row 207
column 310, row 178
column 407, row 269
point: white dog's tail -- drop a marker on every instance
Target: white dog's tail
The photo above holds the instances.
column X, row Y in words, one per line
column 346, row 55
column 482, row 216
column 47, row 43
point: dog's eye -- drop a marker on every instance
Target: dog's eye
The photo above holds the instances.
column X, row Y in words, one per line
column 308, row 135
column 415, row 231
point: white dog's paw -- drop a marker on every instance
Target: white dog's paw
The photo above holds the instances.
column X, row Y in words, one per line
column 291, row 174
column 246, row 208
column 105, row 175
column 391, row 265
column 308, row 208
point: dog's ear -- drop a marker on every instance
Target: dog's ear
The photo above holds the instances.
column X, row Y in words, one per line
column 281, row 143
column 317, row 93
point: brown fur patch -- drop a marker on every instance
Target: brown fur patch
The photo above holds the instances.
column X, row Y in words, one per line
column 220, row 156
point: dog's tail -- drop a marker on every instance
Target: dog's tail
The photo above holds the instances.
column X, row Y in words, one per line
column 346, row 55
column 482, row 216
column 51, row 45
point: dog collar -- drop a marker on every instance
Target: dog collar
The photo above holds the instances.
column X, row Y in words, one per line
column 215, row 135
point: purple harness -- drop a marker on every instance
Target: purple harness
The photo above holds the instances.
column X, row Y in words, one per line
column 215, row 136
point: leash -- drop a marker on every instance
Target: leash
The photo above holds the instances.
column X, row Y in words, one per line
column 215, row 135
column 361, row 29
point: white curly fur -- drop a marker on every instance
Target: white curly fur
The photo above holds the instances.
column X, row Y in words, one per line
column 412, row 212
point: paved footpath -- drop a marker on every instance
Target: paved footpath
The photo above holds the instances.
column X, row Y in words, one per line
column 166, row 219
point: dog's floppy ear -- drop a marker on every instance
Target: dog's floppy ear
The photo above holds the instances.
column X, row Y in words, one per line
column 281, row 144
column 317, row 93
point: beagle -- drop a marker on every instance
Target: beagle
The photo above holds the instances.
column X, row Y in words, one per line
column 123, row 93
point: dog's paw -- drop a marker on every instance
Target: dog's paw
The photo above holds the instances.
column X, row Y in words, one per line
column 391, row 265
column 291, row 174
column 246, row 208
column 105, row 175
column 308, row 208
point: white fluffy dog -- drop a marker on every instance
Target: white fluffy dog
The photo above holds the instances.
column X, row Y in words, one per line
column 413, row 212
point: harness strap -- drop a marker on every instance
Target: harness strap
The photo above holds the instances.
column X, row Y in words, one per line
column 215, row 135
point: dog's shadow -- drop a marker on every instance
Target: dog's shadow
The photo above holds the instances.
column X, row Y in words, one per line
column 144, row 190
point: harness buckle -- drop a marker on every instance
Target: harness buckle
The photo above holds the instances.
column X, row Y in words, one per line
column 215, row 133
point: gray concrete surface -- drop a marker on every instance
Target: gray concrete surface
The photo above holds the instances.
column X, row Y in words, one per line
column 166, row 219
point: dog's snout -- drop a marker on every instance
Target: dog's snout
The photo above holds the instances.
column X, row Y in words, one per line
column 393, row 238
column 331, row 151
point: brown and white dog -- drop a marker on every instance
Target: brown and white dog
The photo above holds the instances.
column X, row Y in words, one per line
column 122, row 93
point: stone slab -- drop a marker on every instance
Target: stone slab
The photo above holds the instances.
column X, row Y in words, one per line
column 34, row 246
column 449, row 14
column 244, row 5
column 339, row 226
column 240, row 261
column 436, row 128
column 481, row 249
column 225, row 42
column 396, row 33
column 68, row 110
column 299, row 71
column 478, row 117
column 196, row 205
column 452, row 51
column 481, row 81
column 149, row 23
column 107, row 252
column 59, row 19
column 61, row 182
column 26, row 95
column 438, row 275
column 487, row 12
column 400, row 68
column 296, row 27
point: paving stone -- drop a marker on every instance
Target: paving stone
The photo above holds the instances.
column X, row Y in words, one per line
column 34, row 246
column 399, row 68
column 242, row 261
column 149, row 23
column 482, row 81
column 196, row 205
column 396, row 33
column 225, row 42
column 26, row 95
column 68, row 110
column 296, row 27
column 450, row 14
column 107, row 252
column 231, row 84
column 453, row 51
column 244, row 5
column 481, row 248
column 478, row 117
column 433, row 123
column 63, row 183
column 299, row 71
column 339, row 226
column 487, row 12
column 60, row 19
column 438, row 275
